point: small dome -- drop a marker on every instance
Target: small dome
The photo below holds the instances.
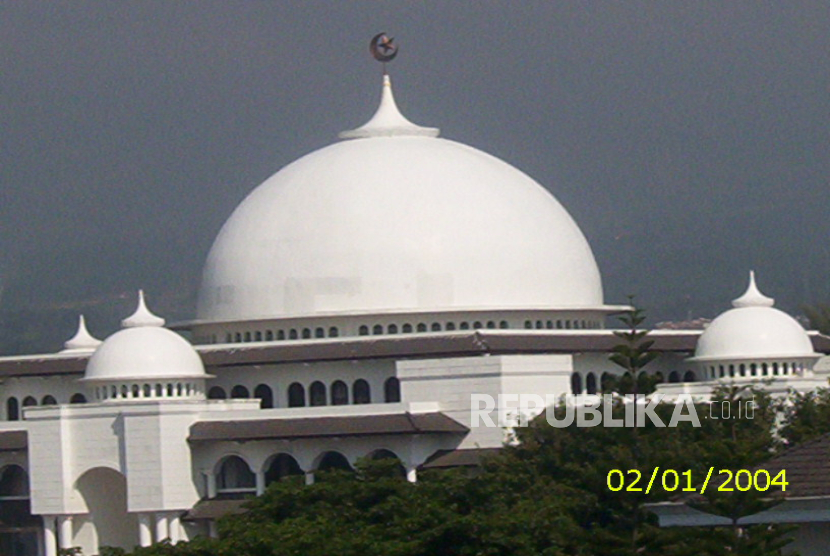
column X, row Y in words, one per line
column 753, row 329
column 82, row 341
column 142, row 350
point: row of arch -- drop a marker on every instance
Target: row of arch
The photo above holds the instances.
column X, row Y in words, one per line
column 592, row 385
column 754, row 369
column 148, row 391
column 13, row 405
column 321, row 332
column 338, row 393
column 235, row 476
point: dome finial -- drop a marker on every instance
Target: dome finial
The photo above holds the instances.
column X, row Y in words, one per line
column 752, row 297
column 142, row 315
column 82, row 340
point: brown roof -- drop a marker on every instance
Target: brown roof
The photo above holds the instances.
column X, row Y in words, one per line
column 317, row 427
column 13, row 441
column 214, row 509
column 807, row 466
column 457, row 458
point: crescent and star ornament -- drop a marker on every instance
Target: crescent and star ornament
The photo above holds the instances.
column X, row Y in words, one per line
column 383, row 48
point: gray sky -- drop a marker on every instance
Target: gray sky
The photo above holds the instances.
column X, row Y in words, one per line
column 689, row 140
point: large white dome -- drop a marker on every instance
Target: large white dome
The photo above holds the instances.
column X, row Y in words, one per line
column 396, row 220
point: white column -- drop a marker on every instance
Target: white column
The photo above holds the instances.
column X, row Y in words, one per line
column 145, row 533
column 50, row 540
column 65, row 531
column 175, row 529
column 260, row 483
column 309, row 478
column 211, row 485
column 213, row 533
column 412, row 474
column 162, row 527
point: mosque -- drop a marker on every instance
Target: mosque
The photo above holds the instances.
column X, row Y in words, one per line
column 350, row 307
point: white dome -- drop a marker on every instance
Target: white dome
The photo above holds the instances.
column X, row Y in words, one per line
column 396, row 220
column 753, row 329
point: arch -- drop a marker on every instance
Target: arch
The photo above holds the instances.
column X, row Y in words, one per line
column 317, row 394
column 363, row 331
column 148, row 391
column 235, row 475
column 77, row 398
column 392, row 329
column 104, row 491
column 265, row 395
column 422, row 327
column 464, row 325
column 319, row 332
column 477, row 325
column 29, row 401
column 436, row 327
column 576, row 384
column 240, row 391
column 775, row 369
column 339, row 393
column 591, row 384
column 503, row 324
column 12, row 409
column 292, row 334
column 528, row 324
column 742, row 369
column 280, row 467
column 333, row 332
column 407, row 328
column 377, row 330
column 296, row 395
column 333, row 460
column 688, row 376
column 491, row 324
column 269, row 335
column 247, row 336
column 215, row 393
column 605, row 382
column 280, row 334
column 238, row 337
column 14, row 483
column 361, row 393
column 674, row 377
column 382, row 454
column 48, row 399
column 392, row 390
column 306, row 333
column 258, row 336
column 450, row 326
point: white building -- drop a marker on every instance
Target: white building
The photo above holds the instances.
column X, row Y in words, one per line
column 351, row 305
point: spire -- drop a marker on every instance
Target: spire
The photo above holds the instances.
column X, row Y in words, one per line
column 752, row 297
column 82, row 340
column 388, row 120
column 142, row 315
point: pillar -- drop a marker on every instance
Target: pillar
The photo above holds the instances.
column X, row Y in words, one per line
column 162, row 527
column 309, row 478
column 50, row 540
column 412, row 474
column 213, row 532
column 145, row 533
column 260, row 483
column 211, row 485
column 65, row 531
column 175, row 529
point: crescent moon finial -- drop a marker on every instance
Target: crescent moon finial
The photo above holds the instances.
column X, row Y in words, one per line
column 383, row 48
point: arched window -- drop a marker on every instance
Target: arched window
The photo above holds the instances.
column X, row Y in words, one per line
column 539, row 325
column 333, row 332
column 392, row 329
column 477, row 325
column 339, row 393
column 399, row 470
column 148, row 390
column 764, row 369
column 360, row 392
column 742, row 369
column 450, row 326
column 235, row 476
column 407, row 328
column 753, row 369
column 238, row 337
column 306, row 333
column 215, row 393
column 674, row 377
column 77, row 398
column 392, row 390
column 281, row 466
column 688, row 376
column 559, row 324
column 334, row 460
column 503, row 324
column 14, row 483
column 136, row 390
column 228, row 338
column 731, row 370
column 296, row 395
column 422, row 327
column 280, row 334
column 292, row 334
column 48, row 400
column 576, row 384
column 491, row 324
column 319, row 332
column 29, row 401
column 436, row 327
column 247, row 336
column 528, row 324
column 317, row 394
column 265, row 395
column 775, row 369
column 12, row 409
column 377, row 330
column 549, row 324
column 591, row 384
column 269, row 335
column 240, row 391
column 258, row 336
column 364, row 330
column 605, row 382
column 464, row 325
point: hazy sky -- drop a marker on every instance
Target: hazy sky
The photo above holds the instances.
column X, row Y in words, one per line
column 689, row 140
